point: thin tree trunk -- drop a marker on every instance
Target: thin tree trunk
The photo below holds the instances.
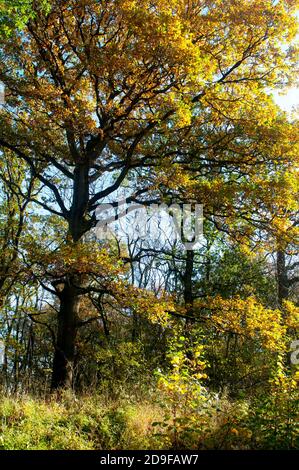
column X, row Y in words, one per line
column 282, row 277
column 187, row 281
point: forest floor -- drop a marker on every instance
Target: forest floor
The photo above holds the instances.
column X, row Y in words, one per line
column 94, row 422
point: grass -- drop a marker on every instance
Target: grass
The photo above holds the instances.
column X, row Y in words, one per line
column 89, row 423
column 93, row 422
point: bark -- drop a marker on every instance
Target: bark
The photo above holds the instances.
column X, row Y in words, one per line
column 187, row 281
column 189, row 298
column 78, row 224
column 282, row 277
column 69, row 296
column 64, row 356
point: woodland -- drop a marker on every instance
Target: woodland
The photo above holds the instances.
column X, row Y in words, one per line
column 114, row 339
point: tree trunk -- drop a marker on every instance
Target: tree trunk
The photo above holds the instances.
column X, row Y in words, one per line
column 282, row 277
column 69, row 295
column 63, row 363
column 188, row 283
